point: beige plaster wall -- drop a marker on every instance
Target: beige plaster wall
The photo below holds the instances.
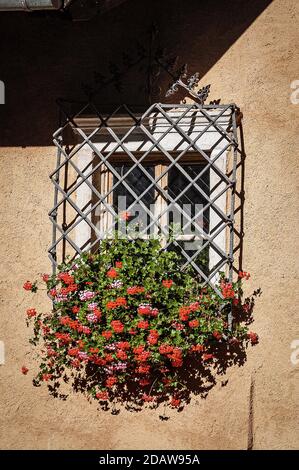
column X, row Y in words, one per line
column 255, row 72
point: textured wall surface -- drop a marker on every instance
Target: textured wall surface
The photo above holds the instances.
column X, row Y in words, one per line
column 249, row 53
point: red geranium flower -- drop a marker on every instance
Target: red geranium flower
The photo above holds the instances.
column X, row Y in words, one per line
column 73, row 351
column 194, row 323
column 135, row 290
column 109, row 358
column 253, row 337
column 117, row 326
column 111, row 381
column 217, row 335
column 118, row 264
column 184, row 313
column 123, row 345
column 64, row 338
column 165, row 349
column 66, row 278
column 45, row 277
column 126, row 215
column 122, row 355
column 138, row 349
column 24, row 370
column 107, row 334
column 46, row 377
column 207, row 357
column 197, row 348
column 112, row 273
column 153, row 337
column 227, row 290
column 167, row 283
column 76, row 363
column 143, row 324
column 244, row 275
column 102, row 396
column 28, row 285
column 175, row 402
column 53, row 292
column 31, row 312
column 143, row 356
column 143, row 369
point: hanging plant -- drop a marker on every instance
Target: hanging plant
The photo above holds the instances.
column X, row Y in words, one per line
column 128, row 325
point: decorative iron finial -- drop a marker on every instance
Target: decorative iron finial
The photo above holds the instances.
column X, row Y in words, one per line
column 189, row 84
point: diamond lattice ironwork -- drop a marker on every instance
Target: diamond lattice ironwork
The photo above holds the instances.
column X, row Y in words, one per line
column 175, row 162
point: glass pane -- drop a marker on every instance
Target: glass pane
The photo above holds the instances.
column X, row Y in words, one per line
column 139, row 183
column 192, row 197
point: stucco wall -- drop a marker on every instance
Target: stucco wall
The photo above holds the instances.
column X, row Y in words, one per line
column 249, row 53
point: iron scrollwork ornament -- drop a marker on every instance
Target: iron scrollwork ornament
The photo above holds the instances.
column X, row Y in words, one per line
column 189, row 84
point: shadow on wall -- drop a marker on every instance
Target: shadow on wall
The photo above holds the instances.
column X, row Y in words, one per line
column 46, row 56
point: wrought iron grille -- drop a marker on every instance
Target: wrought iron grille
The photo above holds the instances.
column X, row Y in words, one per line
column 181, row 156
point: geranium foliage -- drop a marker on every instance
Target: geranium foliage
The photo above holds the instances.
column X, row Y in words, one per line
column 128, row 324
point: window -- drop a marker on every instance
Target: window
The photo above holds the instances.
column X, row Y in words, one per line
column 175, row 164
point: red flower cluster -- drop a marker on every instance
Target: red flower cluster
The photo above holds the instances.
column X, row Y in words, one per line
column 125, row 345
column 253, row 337
column 75, row 325
column 119, row 302
column 243, row 275
column 175, row 402
column 28, row 285
column 147, row 310
column 111, row 381
column 112, row 273
column 217, row 335
column 64, row 338
column 102, row 395
column 173, row 353
column 140, row 354
column 197, row 348
column 184, row 313
column 67, row 290
column 66, row 278
column 207, row 357
column 121, row 355
column 143, row 369
column 31, row 312
column 117, row 326
column 227, row 290
column 126, row 215
column 167, row 283
column 24, row 370
column 73, row 351
column 107, row 334
column 133, row 342
column 46, row 377
column 135, row 290
column 143, row 324
column 153, row 337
